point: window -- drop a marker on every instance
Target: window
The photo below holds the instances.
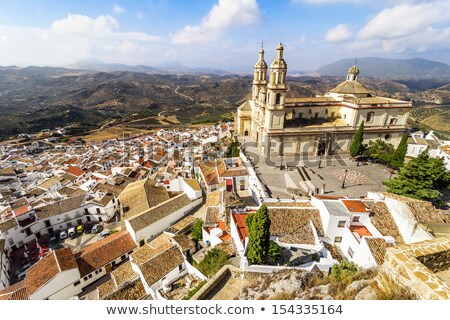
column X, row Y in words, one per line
column 85, row 278
column 341, row 224
column 141, row 243
column 326, row 111
column 76, row 283
column 123, row 257
column 96, row 271
column 350, row 252
column 316, row 115
column 300, row 115
column 369, row 117
column 333, row 114
column 345, row 116
column 28, row 231
column 338, row 239
column 310, row 111
column 90, row 275
column 180, row 268
column 47, row 223
column 98, row 210
column 393, row 121
column 86, row 211
column 278, row 98
column 355, row 219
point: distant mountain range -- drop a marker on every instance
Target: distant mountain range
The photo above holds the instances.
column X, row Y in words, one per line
column 93, row 64
column 389, row 68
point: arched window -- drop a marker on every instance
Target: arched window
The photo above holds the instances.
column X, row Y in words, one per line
column 278, row 98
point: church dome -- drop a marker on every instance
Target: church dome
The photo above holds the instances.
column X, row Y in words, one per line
column 353, row 70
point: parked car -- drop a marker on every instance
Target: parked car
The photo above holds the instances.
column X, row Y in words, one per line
column 63, row 234
column 80, row 229
column 88, row 228
column 52, row 239
column 21, row 275
column 97, row 228
column 103, row 235
column 71, row 232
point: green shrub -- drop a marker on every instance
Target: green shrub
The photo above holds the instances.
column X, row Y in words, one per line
column 343, row 271
column 213, row 261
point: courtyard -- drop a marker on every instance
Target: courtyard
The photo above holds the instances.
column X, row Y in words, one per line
column 287, row 177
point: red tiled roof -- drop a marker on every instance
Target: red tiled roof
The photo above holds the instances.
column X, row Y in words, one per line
column 241, row 225
column 361, row 230
column 102, row 252
column 75, row 171
column 355, row 205
column 47, row 268
column 21, row 211
column 17, row 291
column 71, row 161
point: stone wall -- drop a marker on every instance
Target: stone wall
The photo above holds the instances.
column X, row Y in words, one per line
column 414, row 265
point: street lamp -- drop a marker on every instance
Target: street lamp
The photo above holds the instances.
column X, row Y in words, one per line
column 345, row 176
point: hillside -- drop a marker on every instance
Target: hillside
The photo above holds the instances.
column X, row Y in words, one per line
column 33, row 98
column 389, row 68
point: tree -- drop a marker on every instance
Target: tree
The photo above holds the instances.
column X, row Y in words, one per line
column 421, row 178
column 233, row 150
column 356, row 147
column 197, row 230
column 274, row 253
column 398, row 158
column 343, row 271
column 259, row 238
column 380, row 150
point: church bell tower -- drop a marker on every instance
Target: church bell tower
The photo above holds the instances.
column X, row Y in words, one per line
column 277, row 82
column 260, row 78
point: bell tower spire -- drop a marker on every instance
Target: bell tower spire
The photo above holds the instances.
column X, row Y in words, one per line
column 277, row 85
column 260, row 77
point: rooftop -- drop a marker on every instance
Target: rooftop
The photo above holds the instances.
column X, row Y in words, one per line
column 159, row 266
column 102, row 252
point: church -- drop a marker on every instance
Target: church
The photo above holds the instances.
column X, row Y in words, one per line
column 321, row 125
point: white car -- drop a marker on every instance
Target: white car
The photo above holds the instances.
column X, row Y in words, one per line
column 103, row 235
column 72, row 233
column 97, row 228
column 63, row 234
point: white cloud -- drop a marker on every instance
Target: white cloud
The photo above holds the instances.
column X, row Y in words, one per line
column 405, row 19
column 70, row 39
column 224, row 15
column 339, row 33
column 84, row 25
column 118, row 9
column 327, row 1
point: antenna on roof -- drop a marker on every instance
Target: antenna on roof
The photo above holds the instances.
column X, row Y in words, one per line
column 356, row 60
column 262, row 44
column 284, row 45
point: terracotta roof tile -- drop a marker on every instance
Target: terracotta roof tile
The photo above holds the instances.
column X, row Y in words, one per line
column 159, row 266
column 59, row 207
column 158, row 212
column 98, row 254
column 378, row 247
column 382, row 219
column 46, row 269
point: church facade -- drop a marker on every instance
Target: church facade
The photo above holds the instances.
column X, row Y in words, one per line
column 315, row 125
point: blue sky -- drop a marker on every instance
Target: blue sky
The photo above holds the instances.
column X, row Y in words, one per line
column 221, row 33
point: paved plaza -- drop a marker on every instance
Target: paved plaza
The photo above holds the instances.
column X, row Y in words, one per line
column 320, row 173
